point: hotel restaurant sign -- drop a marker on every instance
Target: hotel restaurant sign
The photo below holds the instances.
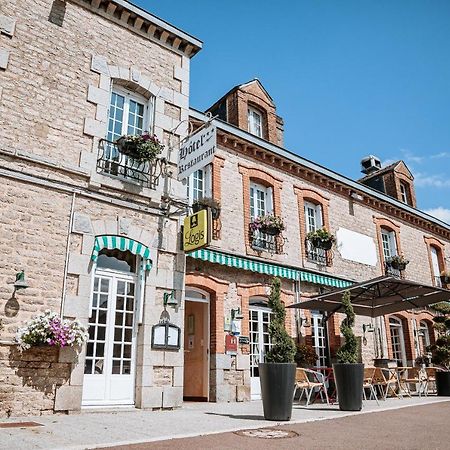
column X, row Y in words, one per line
column 197, row 151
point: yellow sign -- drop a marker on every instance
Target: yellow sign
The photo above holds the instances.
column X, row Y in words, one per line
column 196, row 231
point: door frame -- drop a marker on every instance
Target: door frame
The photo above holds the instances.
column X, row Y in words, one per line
column 114, row 276
column 206, row 330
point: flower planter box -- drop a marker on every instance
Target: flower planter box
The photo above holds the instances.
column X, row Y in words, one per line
column 398, row 265
column 272, row 231
column 445, row 279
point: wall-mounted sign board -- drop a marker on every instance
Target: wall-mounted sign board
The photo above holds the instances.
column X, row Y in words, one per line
column 197, row 151
column 196, row 231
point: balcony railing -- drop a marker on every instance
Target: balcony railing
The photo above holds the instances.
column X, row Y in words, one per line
column 266, row 242
column 318, row 255
column 110, row 161
column 437, row 281
column 389, row 270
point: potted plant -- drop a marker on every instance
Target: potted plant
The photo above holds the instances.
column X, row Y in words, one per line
column 48, row 329
column 140, row 147
column 268, row 224
column 321, row 238
column 348, row 373
column 398, row 262
column 445, row 277
column 277, row 373
column 306, row 356
column 440, row 350
column 205, row 203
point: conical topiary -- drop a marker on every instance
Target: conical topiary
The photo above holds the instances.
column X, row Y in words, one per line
column 348, row 353
column 283, row 347
column 440, row 350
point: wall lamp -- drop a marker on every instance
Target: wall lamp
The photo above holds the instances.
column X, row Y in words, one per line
column 368, row 328
column 236, row 314
column 304, row 321
column 20, row 282
column 169, row 298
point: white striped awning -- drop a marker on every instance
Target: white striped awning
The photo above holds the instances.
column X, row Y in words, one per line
column 275, row 270
column 121, row 243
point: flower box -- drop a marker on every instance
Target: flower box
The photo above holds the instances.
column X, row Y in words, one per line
column 269, row 224
column 321, row 239
column 398, row 262
column 207, row 203
column 142, row 148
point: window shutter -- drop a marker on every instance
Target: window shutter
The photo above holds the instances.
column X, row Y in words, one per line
column 207, row 177
column 269, row 200
column 319, row 216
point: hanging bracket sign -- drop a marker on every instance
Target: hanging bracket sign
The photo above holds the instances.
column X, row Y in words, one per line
column 197, row 151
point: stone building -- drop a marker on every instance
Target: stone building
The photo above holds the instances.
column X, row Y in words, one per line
column 372, row 219
column 95, row 233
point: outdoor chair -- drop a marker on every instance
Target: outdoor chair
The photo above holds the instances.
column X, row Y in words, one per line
column 416, row 376
column 307, row 386
column 386, row 380
column 369, row 373
column 431, row 378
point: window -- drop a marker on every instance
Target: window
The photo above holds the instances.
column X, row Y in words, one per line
column 397, row 341
column 254, row 122
column 389, row 243
column 199, row 184
column 434, row 251
column 313, row 217
column 404, row 192
column 261, row 200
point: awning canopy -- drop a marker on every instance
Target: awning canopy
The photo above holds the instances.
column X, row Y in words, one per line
column 121, row 243
column 275, row 270
column 377, row 297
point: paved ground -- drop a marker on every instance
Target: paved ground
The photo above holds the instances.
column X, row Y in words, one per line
column 102, row 429
column 420, row 427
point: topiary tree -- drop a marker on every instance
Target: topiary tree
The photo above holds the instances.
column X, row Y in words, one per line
column 440, row 350
column 283, row 347
column 348, row 353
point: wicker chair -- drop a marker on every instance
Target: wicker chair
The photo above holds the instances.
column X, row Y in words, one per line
column 369, row 373
column 303, row 382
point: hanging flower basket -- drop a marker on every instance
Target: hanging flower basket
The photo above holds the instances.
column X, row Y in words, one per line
column 142, row 148
column 321, row 239
column 48, row 329
column 271, row 225
column 207, row 203
column 398, row 262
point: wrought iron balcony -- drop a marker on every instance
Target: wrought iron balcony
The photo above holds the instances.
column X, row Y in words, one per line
column 389, row 270
column 112, row 162
column 437, row 281
column 263, row 242
column 318, row 255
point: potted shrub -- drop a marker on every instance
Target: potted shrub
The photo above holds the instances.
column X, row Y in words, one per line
column 205, row 203
column 268, row 224
column 306, row 356
column 140, row 147
column 445, row 277
column 440, row 350
column 348, row 373
column 321, row 238
column 277, row 373
column 48, row 329
column 398, row 262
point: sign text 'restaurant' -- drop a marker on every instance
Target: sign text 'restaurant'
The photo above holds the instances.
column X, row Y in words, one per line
column 197, row 152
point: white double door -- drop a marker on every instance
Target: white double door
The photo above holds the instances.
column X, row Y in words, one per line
column 260, row 344
column 109, row 373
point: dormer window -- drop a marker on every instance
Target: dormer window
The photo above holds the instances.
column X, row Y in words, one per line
column 255, row 122
column 404, row 192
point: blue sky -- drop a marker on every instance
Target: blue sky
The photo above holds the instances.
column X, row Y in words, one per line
column 350, row 78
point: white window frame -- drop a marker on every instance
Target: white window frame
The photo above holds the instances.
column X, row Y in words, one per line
column 389, row 243
column 267, row 193
column 317, row 216
column 404, row 192
column 149, row 110
column 398, row 351
column 255, row 121
column 434, row 251
column 192, row 193
column 424, row 336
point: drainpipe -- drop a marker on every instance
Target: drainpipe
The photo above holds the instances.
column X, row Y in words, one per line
column 66, row 262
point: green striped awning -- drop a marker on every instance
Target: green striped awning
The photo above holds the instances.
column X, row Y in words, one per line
column 268, row 269
column 122, row 243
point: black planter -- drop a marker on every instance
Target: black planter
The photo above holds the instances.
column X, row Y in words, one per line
column 215, row 211
column 349, row 384
column 277, row 389
column 126, row 147
column 326, row 245
column 445, row 279
column 398, row 265
column 443, row 383
column 197, row 207
column 272, row 231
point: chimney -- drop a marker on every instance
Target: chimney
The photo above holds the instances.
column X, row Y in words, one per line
column 370, row 164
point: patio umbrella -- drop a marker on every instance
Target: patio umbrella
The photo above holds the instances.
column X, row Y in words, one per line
column 377, row 297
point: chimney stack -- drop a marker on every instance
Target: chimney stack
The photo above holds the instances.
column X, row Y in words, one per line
column 370, row 164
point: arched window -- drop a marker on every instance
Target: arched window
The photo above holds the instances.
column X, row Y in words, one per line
column 435, row 265
column 397, row 341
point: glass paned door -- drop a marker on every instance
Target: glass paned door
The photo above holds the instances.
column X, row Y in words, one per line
column 319, row 338
column 259, row 320
column 109, row 368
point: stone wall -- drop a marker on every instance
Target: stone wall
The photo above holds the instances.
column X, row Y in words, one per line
column 30, row 379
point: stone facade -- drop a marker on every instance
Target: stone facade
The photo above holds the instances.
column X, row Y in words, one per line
column 63, row 61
